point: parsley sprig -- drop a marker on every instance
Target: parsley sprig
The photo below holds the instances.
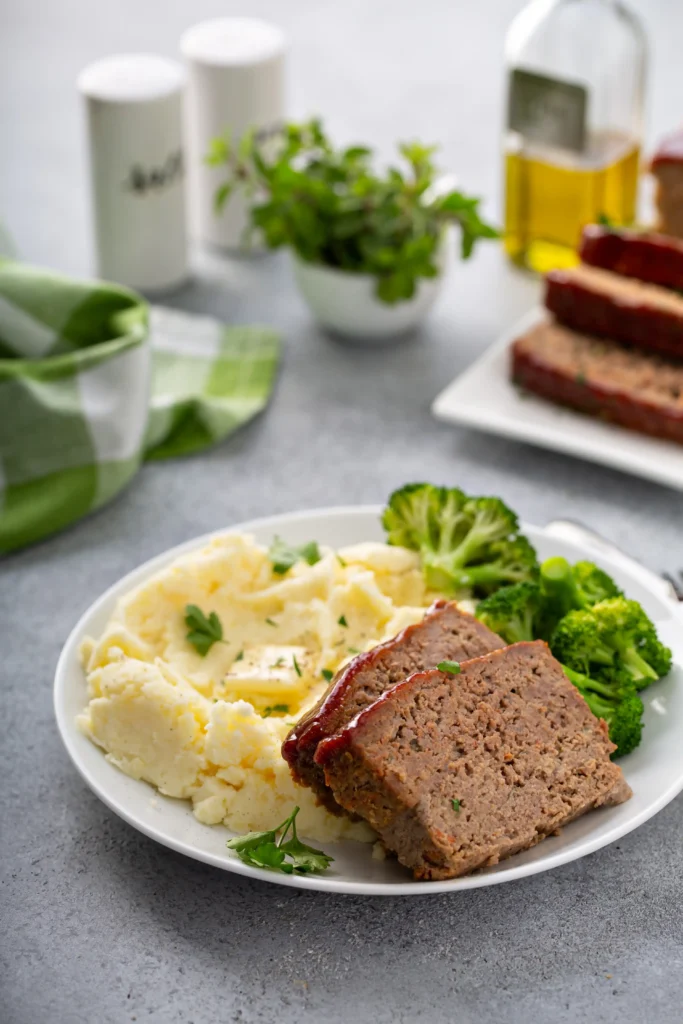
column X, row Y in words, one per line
column 274, row 708
column 284, row 556
column 453, row 667
column 203, row 632
column 291, row 856
column 333, row 207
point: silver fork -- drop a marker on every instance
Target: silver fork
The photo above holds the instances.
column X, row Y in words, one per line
column 676, row 584
column 573, row 531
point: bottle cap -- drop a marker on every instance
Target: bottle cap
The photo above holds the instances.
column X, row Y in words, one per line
column 131, row 78
column 230, row 41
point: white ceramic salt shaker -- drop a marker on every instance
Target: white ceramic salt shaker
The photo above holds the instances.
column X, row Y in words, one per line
column 236, row 70
column 135, row 128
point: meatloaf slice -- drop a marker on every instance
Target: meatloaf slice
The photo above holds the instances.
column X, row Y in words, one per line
column 446, row 632
column 639, row 391
column 456, row 772
column 598, row 302
column 656, row 259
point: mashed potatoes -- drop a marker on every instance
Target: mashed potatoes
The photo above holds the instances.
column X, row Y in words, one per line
column 209, row 729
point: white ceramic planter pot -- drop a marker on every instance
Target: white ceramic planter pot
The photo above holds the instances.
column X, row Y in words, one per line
column 346, row 303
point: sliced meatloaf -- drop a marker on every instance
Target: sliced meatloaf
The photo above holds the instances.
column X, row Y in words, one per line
column 456, row 772
column 598, row 302
column 444, row 633
column 622, row 385
column 656, row 259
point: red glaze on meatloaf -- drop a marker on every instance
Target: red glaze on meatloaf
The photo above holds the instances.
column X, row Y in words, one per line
column 446, row 632
column 601, row 378
column 456, row 772
column 601, row 303
column 656, row 259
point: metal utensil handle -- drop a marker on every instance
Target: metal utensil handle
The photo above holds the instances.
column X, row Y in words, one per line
column 577, row 533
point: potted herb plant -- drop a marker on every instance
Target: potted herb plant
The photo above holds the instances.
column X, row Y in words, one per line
column 370, row 248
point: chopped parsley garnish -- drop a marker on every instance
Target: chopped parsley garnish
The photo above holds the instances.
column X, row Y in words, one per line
column 353, row 650
column 202, row 632
column 296, row 665
column 449, row 666
column 265, row 850
column 271, row 623
column 455, row 804
column 239, row 656
column 341, row 621
column 327, row 675
column 284, row 556
column 342, row 561
column 279, row 663
column 272, row 708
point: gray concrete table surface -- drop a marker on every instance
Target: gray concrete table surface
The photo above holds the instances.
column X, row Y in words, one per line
column 99, row 924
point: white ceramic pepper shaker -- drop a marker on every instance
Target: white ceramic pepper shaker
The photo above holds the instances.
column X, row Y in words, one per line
column 135, row 125
column 236, row 82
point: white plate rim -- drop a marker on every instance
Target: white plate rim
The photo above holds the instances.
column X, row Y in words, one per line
column 557, row 437
column 67, row 730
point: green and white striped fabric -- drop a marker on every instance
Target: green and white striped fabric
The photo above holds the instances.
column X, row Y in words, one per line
column 92, row 382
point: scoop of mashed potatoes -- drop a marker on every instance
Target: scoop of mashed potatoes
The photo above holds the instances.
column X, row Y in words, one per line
column 209, row 728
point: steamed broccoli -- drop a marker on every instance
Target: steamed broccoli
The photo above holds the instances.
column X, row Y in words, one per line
column 514, row 612
column 511, row 612
column 468, row 546
column 568, row 587
column 618, row 703
column 612, row 640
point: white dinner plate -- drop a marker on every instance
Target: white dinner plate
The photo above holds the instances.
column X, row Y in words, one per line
column 485, row 398
column 654, row 770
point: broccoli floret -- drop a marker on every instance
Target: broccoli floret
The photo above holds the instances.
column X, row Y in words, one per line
column 468, row 546
column 568, row 587
column 613, row 639
column 593, row 584
column 618, row 703
column 511, row 611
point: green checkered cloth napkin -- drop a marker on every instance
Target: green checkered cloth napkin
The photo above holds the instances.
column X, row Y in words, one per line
column 92, row 382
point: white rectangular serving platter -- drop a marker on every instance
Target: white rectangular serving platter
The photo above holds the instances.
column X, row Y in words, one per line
column 484, row 397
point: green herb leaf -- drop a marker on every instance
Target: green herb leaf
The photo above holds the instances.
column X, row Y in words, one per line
column 219, row 151
column 341, row 621
column 455, row 804
column 240, row 656
column 274, row 708
column 271, row 622
column 221, row 196
column 252, row 840
column 449, row 666
column 296, row 665
column 342, row 561
column 203, row 632
column 268, row 855
column 331, row 207
column 284, row 556
column 262, row 849
column 304, row 858
column 328, row 675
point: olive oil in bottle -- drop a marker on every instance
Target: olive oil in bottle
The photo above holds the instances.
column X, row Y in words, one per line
column 572, row 147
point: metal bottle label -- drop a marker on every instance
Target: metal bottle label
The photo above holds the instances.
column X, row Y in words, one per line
column 548, row 110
